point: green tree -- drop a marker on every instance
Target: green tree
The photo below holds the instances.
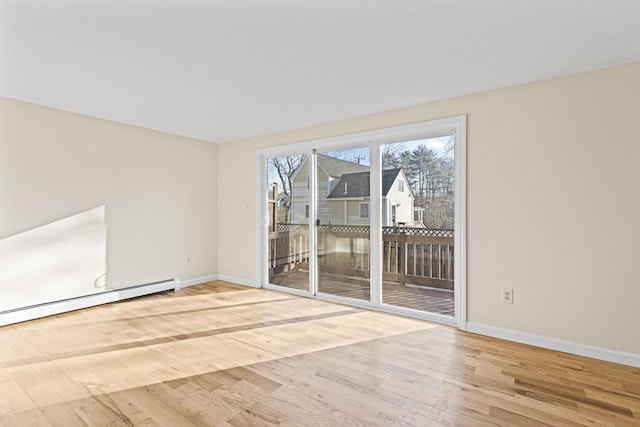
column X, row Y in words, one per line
column 431, row 178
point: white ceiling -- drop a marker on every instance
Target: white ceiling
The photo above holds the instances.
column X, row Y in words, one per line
column 223, row 70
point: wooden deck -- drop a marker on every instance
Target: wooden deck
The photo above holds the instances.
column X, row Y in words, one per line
column 438, row 301
column 224, row 355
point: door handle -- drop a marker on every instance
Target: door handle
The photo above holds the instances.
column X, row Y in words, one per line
column 318, row 222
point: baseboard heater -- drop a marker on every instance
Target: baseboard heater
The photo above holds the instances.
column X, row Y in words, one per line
column 22, row 314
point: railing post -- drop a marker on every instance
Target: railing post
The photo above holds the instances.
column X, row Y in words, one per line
column 402, row 253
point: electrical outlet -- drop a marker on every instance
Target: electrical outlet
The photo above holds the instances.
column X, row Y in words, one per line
column 507, row 296
column 188, row 260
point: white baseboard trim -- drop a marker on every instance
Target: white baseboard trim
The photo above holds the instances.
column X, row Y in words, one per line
column 600, row 353
column 196, row 281
column 238, row 281
column 57, row 307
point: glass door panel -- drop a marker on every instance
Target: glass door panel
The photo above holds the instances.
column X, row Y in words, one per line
column 343, row 225
column 288, row 199
column 418, row 224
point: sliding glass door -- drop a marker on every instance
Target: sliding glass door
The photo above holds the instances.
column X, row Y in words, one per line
column 418, row 212
column 375, row 224
column 288, row 203
column 343, row 229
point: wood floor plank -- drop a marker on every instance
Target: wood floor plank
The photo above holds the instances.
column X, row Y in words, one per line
column 14, row 398
column 220, row 354
column 62, row 415
column 158, row 410
column 100, row 410
column 31, row 418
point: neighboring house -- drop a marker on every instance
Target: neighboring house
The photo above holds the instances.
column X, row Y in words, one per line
column 397, row 199
column 344, row 196
column 330, row 170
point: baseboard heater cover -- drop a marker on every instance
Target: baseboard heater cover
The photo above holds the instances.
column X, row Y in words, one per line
column 23, row 314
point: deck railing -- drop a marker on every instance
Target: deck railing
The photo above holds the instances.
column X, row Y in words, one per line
column 417, row 256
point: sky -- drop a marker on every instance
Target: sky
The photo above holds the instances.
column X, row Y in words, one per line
column 438, row 145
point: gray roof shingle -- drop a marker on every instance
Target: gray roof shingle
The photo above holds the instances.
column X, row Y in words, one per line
column 335, row 168
column 357, row 184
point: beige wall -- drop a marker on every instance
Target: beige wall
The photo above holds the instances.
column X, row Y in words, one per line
column 159, row 190
column 553, row 203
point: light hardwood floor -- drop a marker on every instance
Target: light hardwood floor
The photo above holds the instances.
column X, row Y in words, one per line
column 221, row 354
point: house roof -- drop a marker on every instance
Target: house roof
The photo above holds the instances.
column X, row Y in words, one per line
column 358, row 184
column 388, row 177
column 336, row 168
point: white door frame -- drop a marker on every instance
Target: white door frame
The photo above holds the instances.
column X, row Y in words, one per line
column 455, row 126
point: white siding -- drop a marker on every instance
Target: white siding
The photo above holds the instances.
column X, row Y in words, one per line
column 402, row 200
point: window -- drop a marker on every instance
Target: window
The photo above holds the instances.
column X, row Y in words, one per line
column 306, row 211
column 364, row 210
column 401, row 185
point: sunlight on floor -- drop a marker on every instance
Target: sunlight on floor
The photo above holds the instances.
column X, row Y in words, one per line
column 91, row 351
